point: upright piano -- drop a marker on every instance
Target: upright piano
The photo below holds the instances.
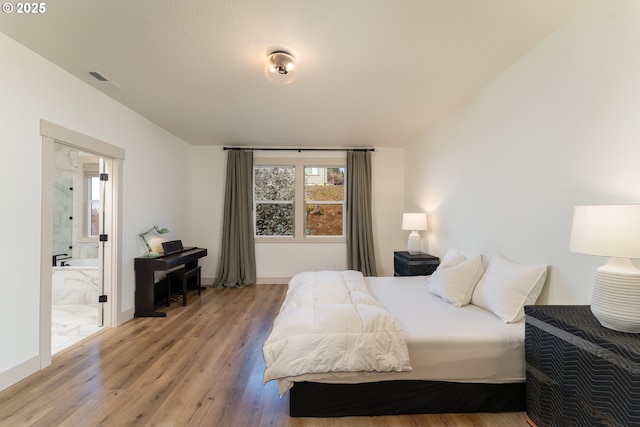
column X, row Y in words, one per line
column 145, row 267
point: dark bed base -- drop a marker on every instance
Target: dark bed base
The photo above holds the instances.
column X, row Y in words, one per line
column 308, row 399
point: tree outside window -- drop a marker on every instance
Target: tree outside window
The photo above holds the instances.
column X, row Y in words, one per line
column 274, row 190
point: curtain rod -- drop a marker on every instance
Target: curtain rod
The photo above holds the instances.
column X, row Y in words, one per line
column 297, row 149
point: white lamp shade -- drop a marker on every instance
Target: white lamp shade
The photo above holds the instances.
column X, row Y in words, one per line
column 414, row 221
column 612, row 231
column 606, row 230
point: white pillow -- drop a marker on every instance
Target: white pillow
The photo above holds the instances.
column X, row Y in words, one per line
column 507, row 287
column 456, row 276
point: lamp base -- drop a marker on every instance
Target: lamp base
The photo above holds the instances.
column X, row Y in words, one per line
column 151, row 255
column 616, row 296
column 414, row 244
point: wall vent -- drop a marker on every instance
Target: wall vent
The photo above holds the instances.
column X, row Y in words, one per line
column 104, row 79
column 98, row 76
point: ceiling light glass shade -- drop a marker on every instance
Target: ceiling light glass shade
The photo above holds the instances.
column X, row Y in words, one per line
column 280, row 68
column 612, row 231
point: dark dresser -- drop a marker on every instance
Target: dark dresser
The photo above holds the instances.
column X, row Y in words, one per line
column 405, row 264
column 579, row 373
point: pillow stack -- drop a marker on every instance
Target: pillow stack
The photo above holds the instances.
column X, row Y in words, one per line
column 504, row 289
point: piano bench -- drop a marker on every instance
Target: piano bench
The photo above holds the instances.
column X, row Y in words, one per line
column 183, row 275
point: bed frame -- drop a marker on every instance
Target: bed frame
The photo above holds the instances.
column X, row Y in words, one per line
column 308, row 399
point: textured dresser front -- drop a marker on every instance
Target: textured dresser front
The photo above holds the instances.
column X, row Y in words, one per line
column 578, row 372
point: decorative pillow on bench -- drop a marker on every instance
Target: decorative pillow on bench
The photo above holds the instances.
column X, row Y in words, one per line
column 456, row 277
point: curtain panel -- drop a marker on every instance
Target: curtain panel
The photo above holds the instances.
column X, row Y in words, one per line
column 238, row 257
column 360, row 251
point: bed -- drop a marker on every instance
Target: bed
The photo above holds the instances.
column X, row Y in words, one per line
column 461, row 357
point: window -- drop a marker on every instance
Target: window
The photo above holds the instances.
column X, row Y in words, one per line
column 274, row 194
column 324, row 201
column 87, row 205
column 299, row 200
column 93, row 206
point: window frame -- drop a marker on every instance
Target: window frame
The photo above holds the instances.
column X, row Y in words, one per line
column 89, row 167
column 299, row 225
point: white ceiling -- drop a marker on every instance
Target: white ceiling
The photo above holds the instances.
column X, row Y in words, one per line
column 370, row 72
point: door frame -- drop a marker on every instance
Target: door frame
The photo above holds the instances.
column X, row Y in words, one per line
column 112, row 253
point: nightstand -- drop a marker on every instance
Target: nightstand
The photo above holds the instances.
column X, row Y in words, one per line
column 579, row 373
column 414, row 265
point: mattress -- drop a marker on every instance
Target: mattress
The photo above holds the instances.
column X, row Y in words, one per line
column 446, row 343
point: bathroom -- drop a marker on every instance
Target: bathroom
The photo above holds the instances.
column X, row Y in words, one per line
column 76, row 273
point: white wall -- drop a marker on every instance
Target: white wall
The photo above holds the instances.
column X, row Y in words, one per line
column 33, row 89
column 209, row 168
column 277, row 262
column 557, row 129
column 388, row 186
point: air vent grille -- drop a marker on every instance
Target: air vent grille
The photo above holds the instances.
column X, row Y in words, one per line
column 104, row 79
column 98, row 76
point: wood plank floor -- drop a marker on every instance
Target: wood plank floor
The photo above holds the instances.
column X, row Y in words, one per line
column 199, row 366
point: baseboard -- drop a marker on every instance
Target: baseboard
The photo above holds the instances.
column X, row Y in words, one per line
column 207, row 281
column 125, row 316
column 19, row 372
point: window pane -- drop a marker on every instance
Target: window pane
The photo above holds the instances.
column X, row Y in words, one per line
column 95, row 188
column 311, row 171
column 324, row 201
column 274, row 219
column 275, row 183
column 94, row 225
column 324, row 219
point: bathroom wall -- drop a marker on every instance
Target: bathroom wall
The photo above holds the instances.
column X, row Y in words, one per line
column 67, row 168
column 62, row 211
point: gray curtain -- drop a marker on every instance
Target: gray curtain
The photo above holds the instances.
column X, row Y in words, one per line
column 238, row 256
column 360, row 253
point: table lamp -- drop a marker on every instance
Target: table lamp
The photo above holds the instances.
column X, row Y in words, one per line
column 150, row 251
column 414, row 222
column 612, row 231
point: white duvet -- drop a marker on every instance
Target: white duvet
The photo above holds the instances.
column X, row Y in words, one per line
column 330, row 324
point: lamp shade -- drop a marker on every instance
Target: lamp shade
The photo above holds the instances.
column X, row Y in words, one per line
column 606, row 230
column 414, row 221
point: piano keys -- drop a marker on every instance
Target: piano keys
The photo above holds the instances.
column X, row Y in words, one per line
column 145, row 267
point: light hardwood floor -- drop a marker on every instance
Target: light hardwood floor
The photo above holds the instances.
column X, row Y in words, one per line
column 199, row 366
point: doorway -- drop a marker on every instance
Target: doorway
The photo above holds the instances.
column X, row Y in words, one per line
column 78, row 221
column 85, row 241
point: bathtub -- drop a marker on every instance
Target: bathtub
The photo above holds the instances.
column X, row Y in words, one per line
column 76, row 283
column 77, row 264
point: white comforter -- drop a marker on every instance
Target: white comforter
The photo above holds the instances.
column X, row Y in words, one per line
column 330, row 324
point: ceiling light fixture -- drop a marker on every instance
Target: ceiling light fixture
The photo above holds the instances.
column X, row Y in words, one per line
column 280, row 67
